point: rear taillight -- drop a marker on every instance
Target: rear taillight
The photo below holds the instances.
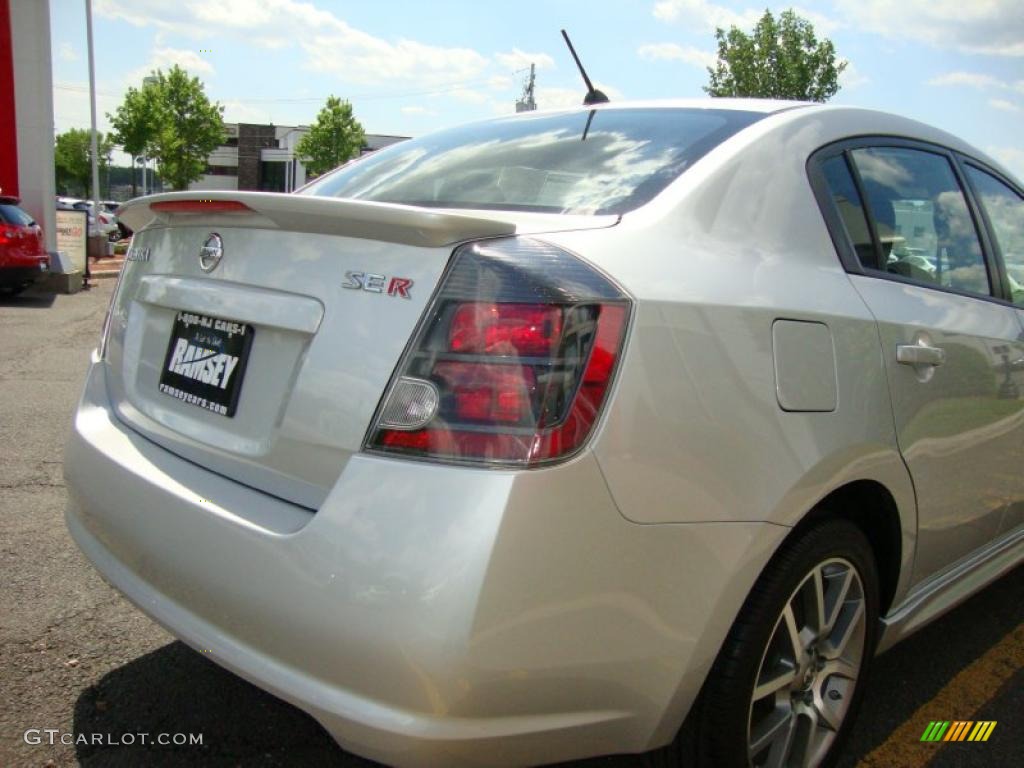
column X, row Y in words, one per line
column 512, row 361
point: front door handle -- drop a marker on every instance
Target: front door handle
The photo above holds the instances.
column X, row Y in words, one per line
column 920, row 354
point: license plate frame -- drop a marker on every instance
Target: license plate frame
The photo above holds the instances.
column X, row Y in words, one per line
column 205, row 362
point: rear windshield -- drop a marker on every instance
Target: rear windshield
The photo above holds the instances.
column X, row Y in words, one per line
column 590, row 162
column 13, row 215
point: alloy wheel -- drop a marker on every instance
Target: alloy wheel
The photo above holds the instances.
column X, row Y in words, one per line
column 809, row 670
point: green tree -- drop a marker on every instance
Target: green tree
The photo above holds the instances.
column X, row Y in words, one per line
column 72, row 159
column 188, row 126
column 334, row 138
column 779, row 60
column 135, row 124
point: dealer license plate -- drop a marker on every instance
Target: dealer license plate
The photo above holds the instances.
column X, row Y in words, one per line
column 205, row 361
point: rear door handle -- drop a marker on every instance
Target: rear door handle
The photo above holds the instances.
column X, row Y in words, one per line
column 920, row 354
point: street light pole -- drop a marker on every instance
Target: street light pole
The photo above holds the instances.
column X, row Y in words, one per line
column 95, row 142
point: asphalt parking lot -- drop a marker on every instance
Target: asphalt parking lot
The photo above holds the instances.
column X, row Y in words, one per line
column 76, row 657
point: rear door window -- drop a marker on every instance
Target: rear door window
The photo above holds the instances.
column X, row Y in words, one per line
column 1005, row 210
column 924, row 228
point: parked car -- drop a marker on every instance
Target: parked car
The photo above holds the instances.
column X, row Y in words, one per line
column 603, row 430
column 23, row 256
column 122, row 232
column 101, row 224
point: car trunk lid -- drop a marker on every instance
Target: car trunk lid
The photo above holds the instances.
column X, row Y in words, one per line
column 301, row 322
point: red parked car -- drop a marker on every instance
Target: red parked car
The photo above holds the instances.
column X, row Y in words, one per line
column 23, row 257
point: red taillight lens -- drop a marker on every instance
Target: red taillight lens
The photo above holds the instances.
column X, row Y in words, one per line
column 514, row 356
column 501, row 394
column 199, row 206
column 505, row 329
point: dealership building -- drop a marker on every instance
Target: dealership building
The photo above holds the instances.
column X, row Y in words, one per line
column 263, row 158
column 26, row 111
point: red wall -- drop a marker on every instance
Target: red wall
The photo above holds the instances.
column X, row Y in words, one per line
column 8, row 136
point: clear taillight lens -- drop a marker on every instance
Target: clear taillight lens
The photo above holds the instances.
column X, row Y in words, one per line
column 512, row 361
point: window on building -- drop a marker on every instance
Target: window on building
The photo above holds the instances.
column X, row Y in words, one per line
column 221, row 170
column 273, row 177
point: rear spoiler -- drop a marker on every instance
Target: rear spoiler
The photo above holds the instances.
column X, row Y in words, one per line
column 388, row 222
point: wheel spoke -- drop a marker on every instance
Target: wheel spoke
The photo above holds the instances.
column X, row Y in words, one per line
column 804, row 751
column 826, row 717
column 776, row 730
column 774, row 683
column 820, row 619
column 840, row 668
column 840, row 600
column 835, row 644
column 792, row 632
column 778, row 755
column 812, row 746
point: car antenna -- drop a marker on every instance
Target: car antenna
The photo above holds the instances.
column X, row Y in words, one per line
column 593, row 96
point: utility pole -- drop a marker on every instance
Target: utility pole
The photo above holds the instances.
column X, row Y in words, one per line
column 526, row 102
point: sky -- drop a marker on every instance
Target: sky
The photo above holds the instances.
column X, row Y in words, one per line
column 413, row 67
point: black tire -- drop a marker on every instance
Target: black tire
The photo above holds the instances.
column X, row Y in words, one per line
column 717, row 733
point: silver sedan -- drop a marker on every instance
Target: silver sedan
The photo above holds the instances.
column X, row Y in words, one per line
column 616, row 429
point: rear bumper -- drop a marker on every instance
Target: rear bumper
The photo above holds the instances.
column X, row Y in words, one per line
column 21, row 275
column 425, row 615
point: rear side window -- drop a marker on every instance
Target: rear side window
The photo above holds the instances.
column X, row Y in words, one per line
column 604, row 161
column 923, row 226
column 12, row 214
column 851, row 209
column 1005, row 210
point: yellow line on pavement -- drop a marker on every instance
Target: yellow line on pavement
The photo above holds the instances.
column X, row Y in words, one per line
column 959, row 699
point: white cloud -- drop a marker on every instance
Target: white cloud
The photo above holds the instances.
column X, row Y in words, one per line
column 559, row 98
column 982, row 82
column 330, row 44
column 469, row 95
column 672, row 52
column 71, row 105
column 1011, row 157
column 851, row 77
column 179, row 18
column 1004, row 105
column 564, row 98
column 415, row 109
column 969, row 79
column 500, row 83
column 994, row 27
column 823, row 25
column 165, row 58
column 516, row 60
column 66, row 51
column 242, row 112
column 360, row 58
column 705, row 15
